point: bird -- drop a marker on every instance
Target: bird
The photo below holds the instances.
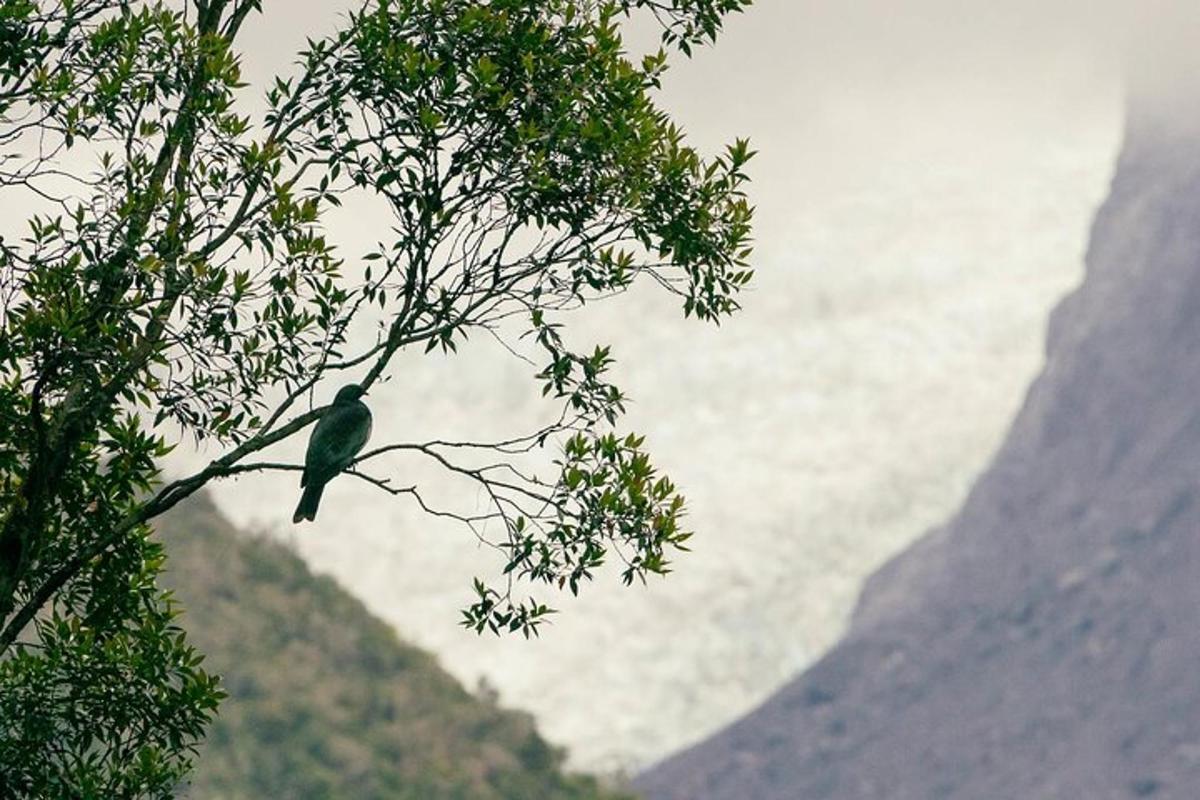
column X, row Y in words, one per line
column 341, row 432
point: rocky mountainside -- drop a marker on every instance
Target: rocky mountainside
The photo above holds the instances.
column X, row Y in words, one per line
column 1044, row 642
column 324, row 700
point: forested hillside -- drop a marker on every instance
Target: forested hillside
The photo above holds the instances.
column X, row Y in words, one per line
column 324, row 700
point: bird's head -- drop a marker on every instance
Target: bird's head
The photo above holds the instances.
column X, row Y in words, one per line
column 349, row 393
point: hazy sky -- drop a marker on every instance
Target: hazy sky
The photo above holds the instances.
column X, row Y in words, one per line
column 926, row 177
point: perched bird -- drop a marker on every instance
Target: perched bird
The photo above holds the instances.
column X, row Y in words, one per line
column 340, row 433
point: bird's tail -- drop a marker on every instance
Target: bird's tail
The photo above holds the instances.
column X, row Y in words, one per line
column 307, row 510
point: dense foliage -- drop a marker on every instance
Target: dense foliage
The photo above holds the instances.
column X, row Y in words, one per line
column 175, row 280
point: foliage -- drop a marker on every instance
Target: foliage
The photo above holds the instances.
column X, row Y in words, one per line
column 107, row 702
column 181, row 283
column 325, row 701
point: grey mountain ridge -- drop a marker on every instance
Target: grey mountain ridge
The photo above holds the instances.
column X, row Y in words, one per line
column 1044, row 642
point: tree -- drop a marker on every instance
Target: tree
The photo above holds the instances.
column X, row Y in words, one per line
column 180, row 284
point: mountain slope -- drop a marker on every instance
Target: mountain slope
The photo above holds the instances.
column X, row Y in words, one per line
column 325, row 701
column 1043, row 644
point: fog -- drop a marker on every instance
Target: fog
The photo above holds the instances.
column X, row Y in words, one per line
column 925, row 180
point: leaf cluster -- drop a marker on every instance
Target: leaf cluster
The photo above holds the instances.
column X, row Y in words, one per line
column 108, row 699
column 177, row 279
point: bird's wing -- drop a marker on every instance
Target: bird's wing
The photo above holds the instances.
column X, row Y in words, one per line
column 338, row 437
column 361, row 425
